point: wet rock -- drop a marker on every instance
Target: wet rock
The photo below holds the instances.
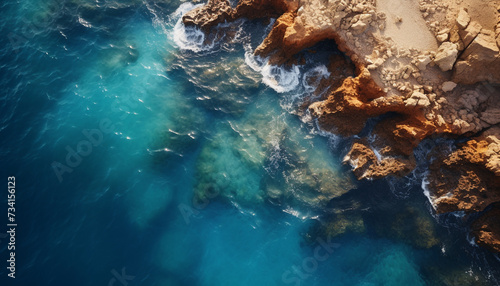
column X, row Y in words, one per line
column 486, row 228
column 475, row 164
column 413, row 227
column 366, row 164
column 209, row 15
column 344, row 223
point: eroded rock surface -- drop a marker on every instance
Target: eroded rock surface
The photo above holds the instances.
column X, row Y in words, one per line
column 444, row 82
column 467, row 178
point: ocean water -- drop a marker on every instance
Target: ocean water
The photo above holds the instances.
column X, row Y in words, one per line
column 145, row 154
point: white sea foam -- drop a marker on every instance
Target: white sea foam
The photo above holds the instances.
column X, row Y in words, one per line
column 188, row 38
column 401, row 187
column 298, row 214
column 471, row 240
column 317, row 73
column 254, row 62
column 459, row 214
column 278, row 78
column 427, row 193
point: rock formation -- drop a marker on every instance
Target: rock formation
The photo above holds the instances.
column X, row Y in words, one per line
column 209, row 15
column 431, row 68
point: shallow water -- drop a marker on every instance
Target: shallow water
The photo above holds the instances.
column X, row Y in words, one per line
column 194, row 167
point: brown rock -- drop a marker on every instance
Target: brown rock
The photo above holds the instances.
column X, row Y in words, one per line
column 351, row 103
column 272, row 43
column 479, row 62
column 367, row 165
column 469, row 34
column 255, row 9
column 446, row 56
column 463, row 19
column 486, row 229
column 467, row 179
column 477, row 186
column 209, row 15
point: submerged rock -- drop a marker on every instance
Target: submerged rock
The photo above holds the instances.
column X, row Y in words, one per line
column 475, row 163
column 251, row 161
column 409, row 225
column 229, row 166
column 304, row 178
column 344, row 223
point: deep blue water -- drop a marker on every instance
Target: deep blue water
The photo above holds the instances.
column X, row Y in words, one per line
column 140, row 150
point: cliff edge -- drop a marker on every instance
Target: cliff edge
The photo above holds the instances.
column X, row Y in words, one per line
column 433, row 65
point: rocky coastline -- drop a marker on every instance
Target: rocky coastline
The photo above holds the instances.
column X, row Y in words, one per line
column 433, row 65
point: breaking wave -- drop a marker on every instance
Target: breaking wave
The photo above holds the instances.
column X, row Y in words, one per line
column 189, row 38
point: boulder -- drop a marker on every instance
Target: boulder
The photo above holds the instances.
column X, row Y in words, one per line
column 463, row 19
column 418, row 99
column 446, row 56
column 423, row 61
column 479, row 62
column 448, row 86
column 470, row 33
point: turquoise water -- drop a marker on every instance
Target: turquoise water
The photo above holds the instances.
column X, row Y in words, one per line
column 144, row 155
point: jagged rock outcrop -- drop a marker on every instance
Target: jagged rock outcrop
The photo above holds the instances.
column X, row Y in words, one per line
column 441, row 82
column 353, row 102
column 486, row 228
column 480, row 58
column 465, row 180
column 209, row 15
column 219, row 11
column 468, row 180
column 256, row 9
column 367, row 164
column 479, row 62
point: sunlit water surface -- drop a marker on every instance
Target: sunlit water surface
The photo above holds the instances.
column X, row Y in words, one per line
column 195, row 164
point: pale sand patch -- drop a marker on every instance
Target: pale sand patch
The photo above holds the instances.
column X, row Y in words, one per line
column 412, row 32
